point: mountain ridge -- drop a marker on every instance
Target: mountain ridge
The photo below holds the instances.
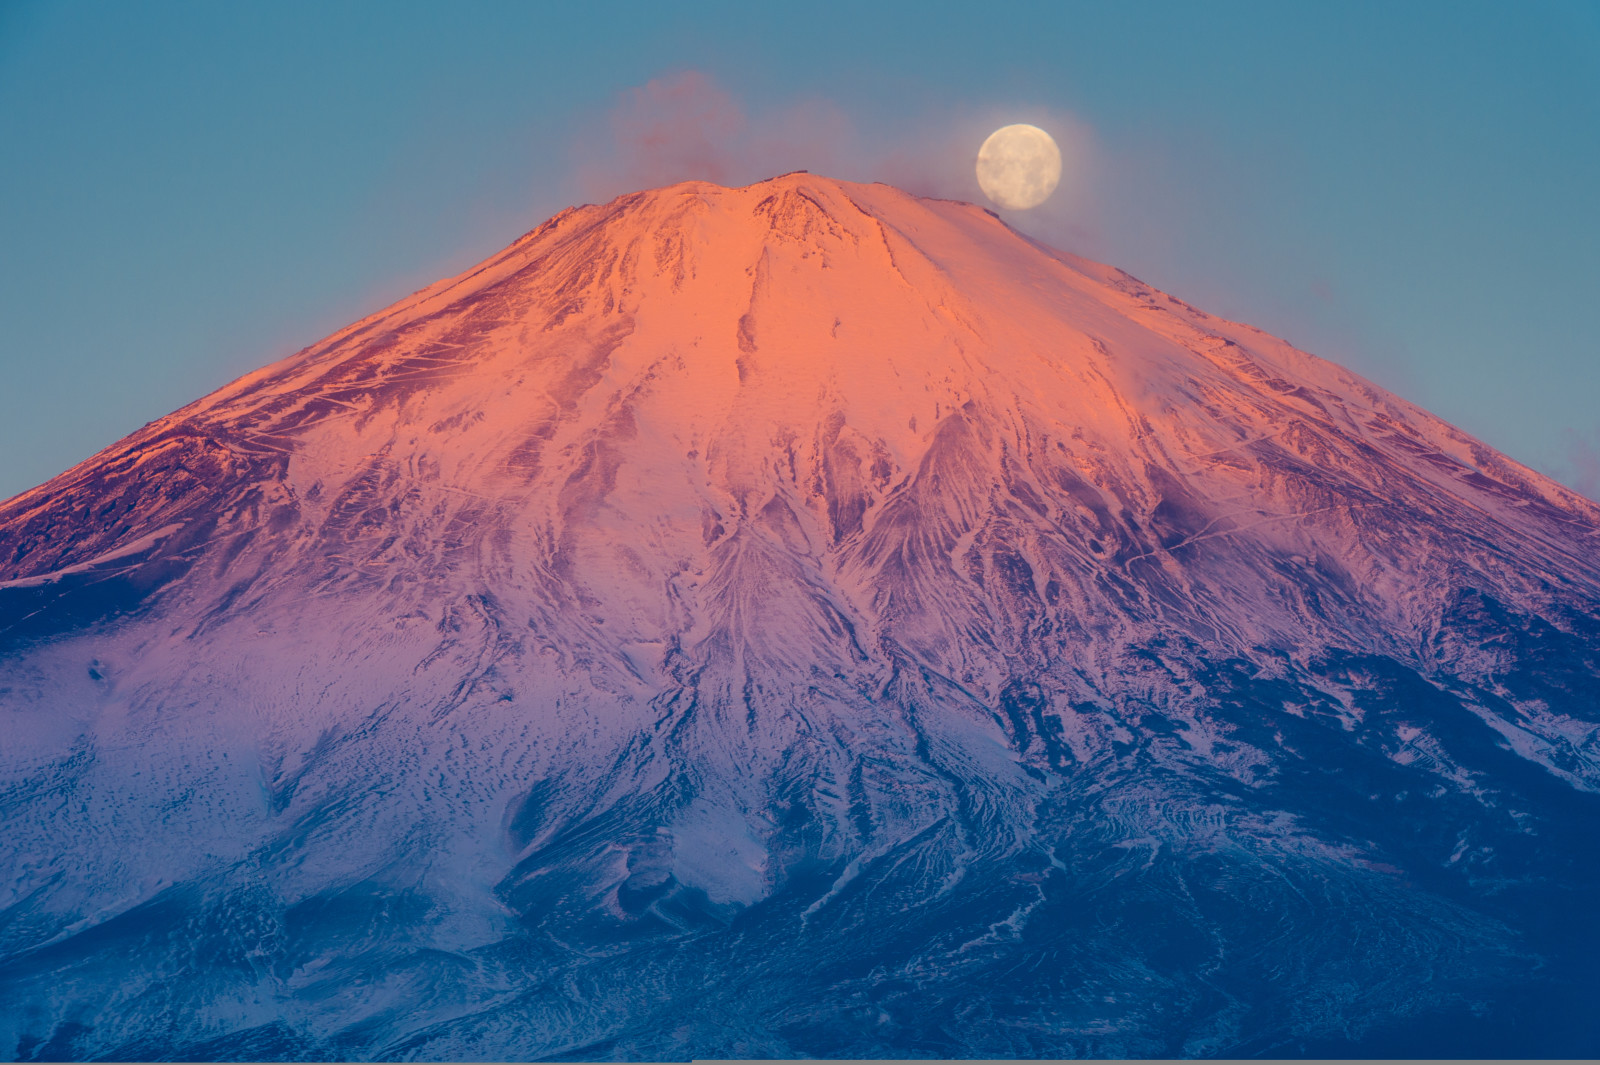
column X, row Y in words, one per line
column 745, row 577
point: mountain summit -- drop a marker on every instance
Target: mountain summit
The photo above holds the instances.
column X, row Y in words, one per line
column 795, row 620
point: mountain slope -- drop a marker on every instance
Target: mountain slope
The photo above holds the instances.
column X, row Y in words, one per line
column 805, row 620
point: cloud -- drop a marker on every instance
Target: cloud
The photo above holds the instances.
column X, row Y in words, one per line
column 1583, row 461
column 673, row 129
column 685, row 126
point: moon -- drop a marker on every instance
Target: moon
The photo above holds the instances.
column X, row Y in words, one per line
column 1019, row 166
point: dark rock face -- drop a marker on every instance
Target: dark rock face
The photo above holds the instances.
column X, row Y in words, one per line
column 800, row 620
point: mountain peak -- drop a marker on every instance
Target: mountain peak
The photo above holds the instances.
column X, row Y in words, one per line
column 724, row 325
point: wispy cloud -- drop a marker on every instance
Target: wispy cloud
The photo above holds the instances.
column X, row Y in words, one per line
column 1583, row 461
column 685, row 126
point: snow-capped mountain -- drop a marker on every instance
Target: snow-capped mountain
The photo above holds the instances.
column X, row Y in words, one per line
column 796, row 620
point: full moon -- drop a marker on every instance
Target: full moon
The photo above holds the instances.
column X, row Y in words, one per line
column 1019, row 166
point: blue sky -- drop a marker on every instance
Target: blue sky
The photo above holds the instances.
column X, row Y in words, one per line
column 190, row 190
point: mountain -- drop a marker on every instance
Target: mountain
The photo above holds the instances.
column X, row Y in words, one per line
column 797, row 620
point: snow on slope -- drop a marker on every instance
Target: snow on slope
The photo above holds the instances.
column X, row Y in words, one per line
column 780, row 561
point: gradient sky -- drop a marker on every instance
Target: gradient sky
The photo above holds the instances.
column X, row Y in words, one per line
column 188, row 191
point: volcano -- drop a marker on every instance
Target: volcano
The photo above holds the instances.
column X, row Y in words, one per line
column 797, row 620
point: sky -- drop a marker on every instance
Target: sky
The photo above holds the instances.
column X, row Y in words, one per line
column 191, row 190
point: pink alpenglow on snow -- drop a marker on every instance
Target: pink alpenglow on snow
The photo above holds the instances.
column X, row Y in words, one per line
column 798, row 620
